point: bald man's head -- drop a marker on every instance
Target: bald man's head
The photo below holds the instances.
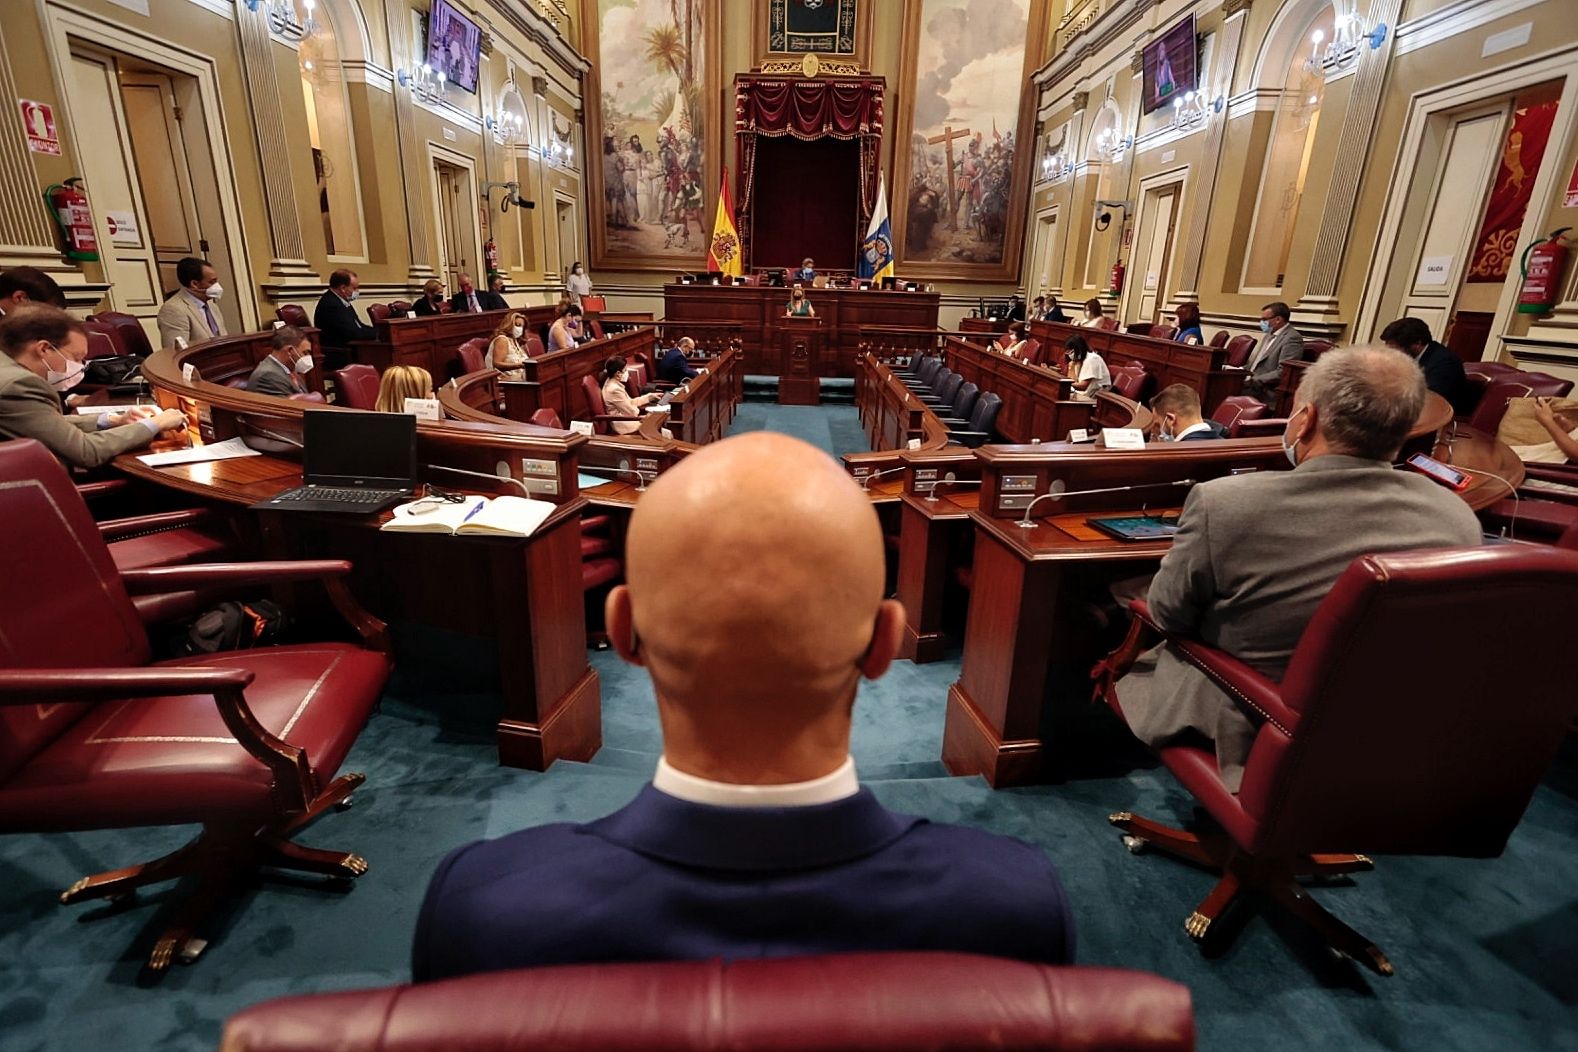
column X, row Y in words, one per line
column 755, row 573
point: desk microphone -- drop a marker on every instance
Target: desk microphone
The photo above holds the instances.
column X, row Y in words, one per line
column 1058, row 490
column 503, row 476
column 641, row 476
column 865, row 480
column 949, row 479
column 269, row 434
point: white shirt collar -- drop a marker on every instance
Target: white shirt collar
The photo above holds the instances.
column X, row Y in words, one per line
column 1191, row 429
column 835, row 785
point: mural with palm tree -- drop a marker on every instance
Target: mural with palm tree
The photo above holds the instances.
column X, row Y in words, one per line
column 651, row 159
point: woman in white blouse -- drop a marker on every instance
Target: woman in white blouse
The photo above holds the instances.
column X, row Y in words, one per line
column 1087, row 368
column 578, row 284
column 506, row 352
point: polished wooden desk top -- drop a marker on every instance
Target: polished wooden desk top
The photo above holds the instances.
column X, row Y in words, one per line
column 1495, row 468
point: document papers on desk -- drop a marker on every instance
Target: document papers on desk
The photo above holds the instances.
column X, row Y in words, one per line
column 473, row 517
column 229, row 449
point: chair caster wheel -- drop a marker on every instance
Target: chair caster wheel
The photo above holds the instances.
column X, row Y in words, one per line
column 346, row 804
column 192, row 951
column 1135, row 844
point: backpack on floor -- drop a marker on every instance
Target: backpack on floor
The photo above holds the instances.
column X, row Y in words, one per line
column 235, row 626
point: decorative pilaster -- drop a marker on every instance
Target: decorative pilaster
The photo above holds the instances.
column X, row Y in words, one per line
column 1193, row 254
column 289, row 266
column 26, row 234
column 420, row 268
column 1353, row 146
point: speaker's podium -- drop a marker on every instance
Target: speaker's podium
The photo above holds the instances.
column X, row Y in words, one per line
column 800, row 345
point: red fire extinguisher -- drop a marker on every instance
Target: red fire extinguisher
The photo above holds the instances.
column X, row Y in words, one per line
column 70, row 206
column 1542, row 265
column 1117, row 276
column 490, row 255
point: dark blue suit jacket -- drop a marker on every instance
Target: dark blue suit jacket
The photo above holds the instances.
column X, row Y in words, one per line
column 1216, row 431
column 664, row 879
column 675, row 367
column 1445, row 376
column 338, row 323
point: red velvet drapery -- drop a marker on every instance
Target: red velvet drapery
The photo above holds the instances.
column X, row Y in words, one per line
column 840, row 108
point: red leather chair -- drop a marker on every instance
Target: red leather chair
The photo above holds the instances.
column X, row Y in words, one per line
column 1261, row 427
column 1141, row 328
column 399, row 308
column 1130, row 380
column 169, row 538
column 102, row 340
column 1031, row 351
column 534, row 347
column 596, row 328
column 546, row 418
column 1493, row 403
column 1106, row 323
column 358, row 386
column 1236, row 409
column 1163, row 332
column 1220, row 339
column 1313, row 349
column 1239, row 348
column 593, row 393
column 377, row 312
column 897, row 1002
column 1407, row 723
column 96, row 735
column 291, row 314
column 472, row 355
column 132, row 335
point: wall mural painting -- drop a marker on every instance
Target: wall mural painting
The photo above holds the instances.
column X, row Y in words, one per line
column 969, row 67
column 653, row 129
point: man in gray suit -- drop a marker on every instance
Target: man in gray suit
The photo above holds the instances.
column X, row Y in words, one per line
column 1255, row 554
column 283, row 372
column 1281, row 343
column 42, row 350
column 192, row 314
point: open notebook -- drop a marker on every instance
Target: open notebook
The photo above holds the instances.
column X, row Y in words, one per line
column 475, row 517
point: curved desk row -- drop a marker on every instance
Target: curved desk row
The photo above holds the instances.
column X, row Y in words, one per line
column 1195, row 365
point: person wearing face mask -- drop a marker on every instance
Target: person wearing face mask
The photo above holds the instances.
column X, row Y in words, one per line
column 42, row 350
column 1255, row 554
column 578, row 284
column 19, row 285
column 1281, row 343
column 337, row 321
column 1175, row 416
column 506, row 351
column 617, row 400
column 566, row 332
column 470, row 298
column 431, row 301
column 799, row 306
column 191, row 315
column 1086, row 367
column 284, row 371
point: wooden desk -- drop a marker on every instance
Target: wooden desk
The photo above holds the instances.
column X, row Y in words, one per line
column 553, row 380
column 758, row 309
column 519, row 599
column 704, row 409
column 941, row 490
column 432, row 341
column 1495, row 468
column 892, row 417
column 1199, row 366
column 1026, row 607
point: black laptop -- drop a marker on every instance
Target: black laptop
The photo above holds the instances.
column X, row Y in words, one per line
column 352, row 462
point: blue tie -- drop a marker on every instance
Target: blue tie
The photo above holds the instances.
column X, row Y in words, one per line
column 213, row 323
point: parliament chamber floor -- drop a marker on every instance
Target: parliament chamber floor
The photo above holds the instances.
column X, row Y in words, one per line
column 1483, row 946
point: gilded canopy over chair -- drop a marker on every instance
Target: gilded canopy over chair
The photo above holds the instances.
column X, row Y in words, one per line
column 95, row 734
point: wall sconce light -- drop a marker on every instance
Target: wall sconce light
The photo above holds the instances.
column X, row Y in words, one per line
column 505, row 126
column 1111, row 143
column 281, row 15
column 425, row 82
column 1346, row 45
column 1056, row 165
column 1193, row 109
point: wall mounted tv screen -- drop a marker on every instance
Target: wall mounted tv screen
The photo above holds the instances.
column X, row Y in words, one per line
column 454, row 45
column 1171, row 67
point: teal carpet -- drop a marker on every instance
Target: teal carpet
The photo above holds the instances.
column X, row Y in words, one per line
column 1485, row 950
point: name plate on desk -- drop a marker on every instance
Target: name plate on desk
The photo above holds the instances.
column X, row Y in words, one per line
column 424, row 408
column 1123, row 438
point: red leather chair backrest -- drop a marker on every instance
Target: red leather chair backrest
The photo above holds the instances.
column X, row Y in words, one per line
column 291, row 314
column 1107, row 323
column 62, row 605
column 471, row 355
column 1220, row 339
column 1141, row 328
column 1493, row 403
column 1031, row 351
column 358, row 386
column 1239, row 349
column 895, row 1002
column 1163, row 332
column 1545, row 385
column 546, row 418
column 596, row 327
column 1005, row 341
column 378, row 312
column 534, row 347
column 1488, row 371
column 1235, row 410
column 594, row 402
column 133, row 336
column 1313, row 349
column 1261, row 427
column 103, row 340
column 1423, row 724
column 399, row 308
column 1129, row 380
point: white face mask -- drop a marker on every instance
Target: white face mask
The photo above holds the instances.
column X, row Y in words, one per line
column 518, row 331
column 1166, row 434
column 304, row 364
column 1290, row 449
column 216, row 292
column 66, row 379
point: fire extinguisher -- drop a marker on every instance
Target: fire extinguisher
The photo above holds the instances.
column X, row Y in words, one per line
column 70, row 206
column 1542, row 265
column 490, row 255
column 1117, row 276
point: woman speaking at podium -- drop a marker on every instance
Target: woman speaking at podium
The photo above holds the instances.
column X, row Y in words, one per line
column 799, row 306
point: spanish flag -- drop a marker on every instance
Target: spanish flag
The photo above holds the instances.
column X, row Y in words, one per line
column 876, row 251
column 723, row 251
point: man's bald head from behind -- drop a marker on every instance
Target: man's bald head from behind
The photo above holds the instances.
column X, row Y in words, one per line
column 755, row 572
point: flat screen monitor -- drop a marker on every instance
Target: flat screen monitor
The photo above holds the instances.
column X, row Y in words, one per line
column 454, row 45
column 375, row 450
column 1170, row 66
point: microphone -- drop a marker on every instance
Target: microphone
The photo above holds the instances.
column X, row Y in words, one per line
column 641, row 476
column 946, row 480
column 269, row 434
column 865, row 480
column 1059, row 489
column 503, row 476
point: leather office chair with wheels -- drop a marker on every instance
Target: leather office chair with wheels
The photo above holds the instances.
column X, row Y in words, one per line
column 1261, row 427
column 378, row 312
column 1239, row 348
column 1235, row 410
column 897, row 1002
column 358, row 386
column 94, row 734
column 1220, row 339
column 982, row 421
column 941, row 397
column 291, row 314
column 593, row 393
column 1408, row 722
column 1163, row 332
column 963, row 406
column 132, row 335
column 399, row 308
column 473, row 355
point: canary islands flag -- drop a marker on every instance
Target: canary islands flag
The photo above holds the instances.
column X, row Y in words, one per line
column 723, row 251
column 876, row 251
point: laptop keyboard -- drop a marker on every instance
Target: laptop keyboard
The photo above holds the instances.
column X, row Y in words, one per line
column 341, row 494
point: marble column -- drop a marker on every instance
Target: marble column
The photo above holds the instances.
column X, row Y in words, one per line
column 288, row 266
column 1204, row 190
